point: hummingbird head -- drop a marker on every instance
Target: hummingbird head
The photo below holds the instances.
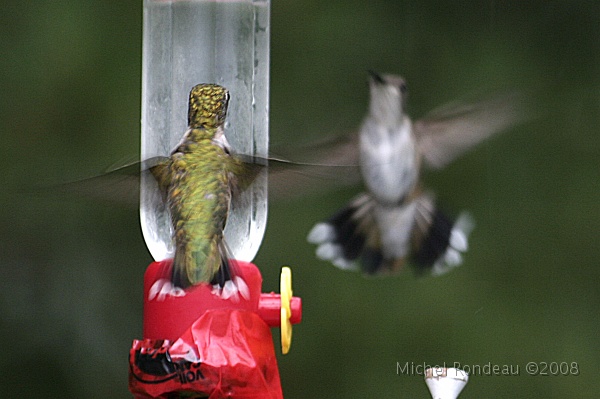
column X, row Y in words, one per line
column 208, row 106
column 388, row 97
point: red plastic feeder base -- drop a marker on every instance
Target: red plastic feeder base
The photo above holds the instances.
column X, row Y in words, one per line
column 198, row 345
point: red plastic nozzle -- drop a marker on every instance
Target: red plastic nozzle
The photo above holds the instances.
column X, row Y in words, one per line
column 269, row 309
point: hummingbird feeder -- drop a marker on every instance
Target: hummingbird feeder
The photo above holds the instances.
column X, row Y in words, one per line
column 196, row 343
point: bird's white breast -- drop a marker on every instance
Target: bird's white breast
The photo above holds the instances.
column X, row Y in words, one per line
column 389, row 162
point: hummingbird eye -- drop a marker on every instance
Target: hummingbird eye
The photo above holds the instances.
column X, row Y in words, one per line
column 403, row 88
column 376, row 77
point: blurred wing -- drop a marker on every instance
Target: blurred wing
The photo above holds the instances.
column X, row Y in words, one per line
column 319, row 166
column 326, row 164
column 449, row 131
column 120, row 185
column 338, row 150
column 289, row 180
column 249, row 168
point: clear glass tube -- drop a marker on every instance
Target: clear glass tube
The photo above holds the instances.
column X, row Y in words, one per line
column 205, row 41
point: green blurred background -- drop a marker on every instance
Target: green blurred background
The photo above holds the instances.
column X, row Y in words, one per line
column 71, row 269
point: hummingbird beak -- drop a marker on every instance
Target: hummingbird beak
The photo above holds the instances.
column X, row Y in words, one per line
column 375, row 77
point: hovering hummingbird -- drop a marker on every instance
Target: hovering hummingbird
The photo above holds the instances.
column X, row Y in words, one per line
column 198, row 181
column 396, row 220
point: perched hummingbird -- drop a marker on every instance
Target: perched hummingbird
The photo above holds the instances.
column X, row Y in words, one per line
column 396, row 220
column 198, row 182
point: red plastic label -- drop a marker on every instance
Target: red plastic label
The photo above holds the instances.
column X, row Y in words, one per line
column 226, row 353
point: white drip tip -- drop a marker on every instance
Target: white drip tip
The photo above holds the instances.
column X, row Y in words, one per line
column 445, row 383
